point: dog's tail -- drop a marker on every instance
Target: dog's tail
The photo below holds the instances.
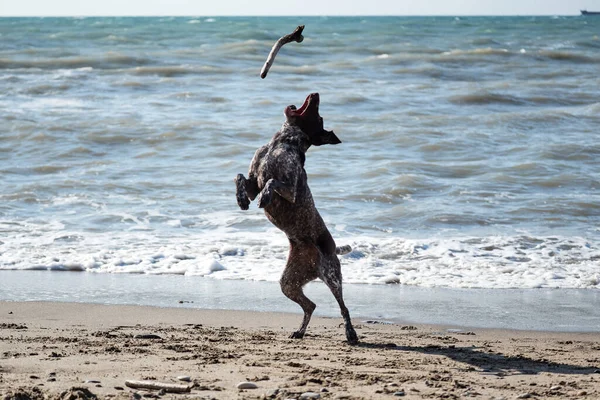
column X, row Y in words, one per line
column 341, row 250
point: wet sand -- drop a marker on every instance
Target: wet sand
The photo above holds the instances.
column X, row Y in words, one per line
column 69, row 350
column 563, row 310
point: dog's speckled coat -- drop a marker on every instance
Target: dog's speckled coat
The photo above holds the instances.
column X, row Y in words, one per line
column 277, row 177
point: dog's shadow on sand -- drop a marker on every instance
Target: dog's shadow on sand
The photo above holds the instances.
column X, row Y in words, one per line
column 492, row 363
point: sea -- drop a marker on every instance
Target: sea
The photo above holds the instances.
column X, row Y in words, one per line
column 469, row 154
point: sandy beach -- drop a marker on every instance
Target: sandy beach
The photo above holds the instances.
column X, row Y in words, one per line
column 83, row 351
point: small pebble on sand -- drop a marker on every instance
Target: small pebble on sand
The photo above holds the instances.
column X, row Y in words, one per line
column 146, row 336
column 246, row 385
column 309, row 395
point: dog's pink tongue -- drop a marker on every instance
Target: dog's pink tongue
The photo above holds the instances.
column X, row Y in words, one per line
column 304, row 105
column 311, row 105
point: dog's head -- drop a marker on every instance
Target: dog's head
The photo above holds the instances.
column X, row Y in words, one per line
column 307, row 118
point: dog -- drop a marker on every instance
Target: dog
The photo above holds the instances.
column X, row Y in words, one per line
column 277, row 179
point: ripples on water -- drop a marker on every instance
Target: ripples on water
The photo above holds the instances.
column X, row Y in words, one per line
column 468, row 157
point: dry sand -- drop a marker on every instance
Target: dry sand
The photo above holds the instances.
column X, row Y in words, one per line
column 79, row 351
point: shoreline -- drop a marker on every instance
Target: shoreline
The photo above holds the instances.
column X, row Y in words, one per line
column 52, row 348
column 561, row 310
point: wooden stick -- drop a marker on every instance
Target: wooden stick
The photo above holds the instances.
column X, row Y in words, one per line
column 168, row 387
column 295, row 36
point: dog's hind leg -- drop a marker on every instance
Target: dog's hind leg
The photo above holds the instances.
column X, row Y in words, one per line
column 301, row 268
column 331, row 275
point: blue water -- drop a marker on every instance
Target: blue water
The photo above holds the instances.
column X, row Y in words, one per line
column 469, row 154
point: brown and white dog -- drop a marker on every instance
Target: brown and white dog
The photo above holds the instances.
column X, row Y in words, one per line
column 277, row 177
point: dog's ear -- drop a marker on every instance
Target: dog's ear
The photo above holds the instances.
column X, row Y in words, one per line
column 325, row 137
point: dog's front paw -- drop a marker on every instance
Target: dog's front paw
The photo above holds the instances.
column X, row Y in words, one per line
column 240, row 192
column 243, row 201
column 264, row 198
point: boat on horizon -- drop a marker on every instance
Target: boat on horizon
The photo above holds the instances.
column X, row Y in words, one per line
column 586, row 12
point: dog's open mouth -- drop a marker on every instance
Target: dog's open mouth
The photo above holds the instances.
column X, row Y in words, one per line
column 307, row 118
column 311, row 104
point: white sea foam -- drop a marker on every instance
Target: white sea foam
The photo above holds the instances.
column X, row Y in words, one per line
column 55, row 104
column 491, row 262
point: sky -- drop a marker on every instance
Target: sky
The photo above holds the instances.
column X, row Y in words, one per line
column 294, row 7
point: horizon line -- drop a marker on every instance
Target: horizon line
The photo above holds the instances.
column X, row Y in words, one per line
column 279, row 16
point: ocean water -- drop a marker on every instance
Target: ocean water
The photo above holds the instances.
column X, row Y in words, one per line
column 469, row 156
